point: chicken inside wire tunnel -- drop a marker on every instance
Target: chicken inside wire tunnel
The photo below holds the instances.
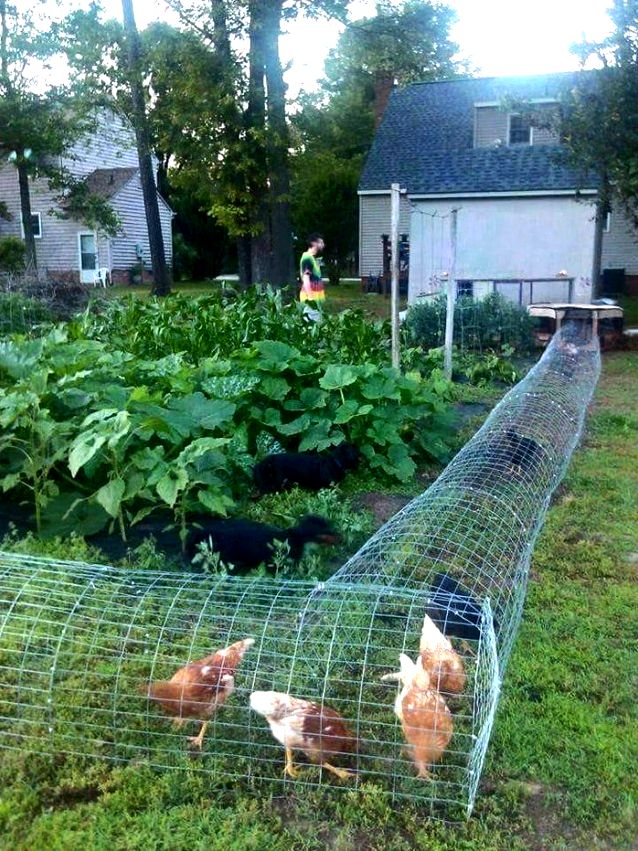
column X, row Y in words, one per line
column 87, row 653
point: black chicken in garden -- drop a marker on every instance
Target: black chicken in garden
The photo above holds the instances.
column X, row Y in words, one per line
column 308, row 470
column 246, row 544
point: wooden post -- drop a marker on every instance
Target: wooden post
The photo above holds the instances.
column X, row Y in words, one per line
column 451, row 298
column 395, row 196
column 594, row 325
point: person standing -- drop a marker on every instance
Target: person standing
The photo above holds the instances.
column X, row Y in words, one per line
column 312, row 288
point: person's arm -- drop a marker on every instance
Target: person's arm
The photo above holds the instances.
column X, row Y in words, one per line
column 306, row 272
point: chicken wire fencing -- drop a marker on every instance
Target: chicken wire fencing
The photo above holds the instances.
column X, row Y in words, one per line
column 470, row 536
column 287, row 684
column 82, row 648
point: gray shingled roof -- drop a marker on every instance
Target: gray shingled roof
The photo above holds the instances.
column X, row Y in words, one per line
column 425, row 141
column 107, row 182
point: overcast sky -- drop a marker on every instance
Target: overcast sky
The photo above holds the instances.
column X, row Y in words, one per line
column 498, row 37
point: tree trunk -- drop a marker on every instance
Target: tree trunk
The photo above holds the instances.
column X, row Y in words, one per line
column 221, row 36
column 4, row 54
column 255, row 122
column 161, row 276
column 282, row 265
column 222, row 46
column 244, row 265
column 30, row 256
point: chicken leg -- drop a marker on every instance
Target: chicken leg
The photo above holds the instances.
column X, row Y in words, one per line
column 343, row 773
column 198, row 740
column 423, row 773
column 289, row 768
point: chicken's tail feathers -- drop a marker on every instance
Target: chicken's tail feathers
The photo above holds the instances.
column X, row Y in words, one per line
column 432, row 637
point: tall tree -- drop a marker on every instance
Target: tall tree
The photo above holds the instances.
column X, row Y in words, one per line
column 335, row 127
column 255, row 123
column 598, row 121
column 281, row 269
column 161, row 277
column 252, row 194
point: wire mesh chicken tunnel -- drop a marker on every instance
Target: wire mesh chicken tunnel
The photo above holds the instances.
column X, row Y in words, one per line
column 87, row 651
column 470, row 536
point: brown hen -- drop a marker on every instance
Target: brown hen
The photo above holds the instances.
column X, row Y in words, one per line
column 440, row 659
column 317, row 730
column 196, row 691
column 423, row 713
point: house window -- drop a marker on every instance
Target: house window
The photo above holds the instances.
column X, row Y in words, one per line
column 520, row 132
column 36, row 224
column 465, row 289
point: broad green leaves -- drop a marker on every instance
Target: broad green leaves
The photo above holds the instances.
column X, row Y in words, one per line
column 338, row 376
column 141, row 436
column 110, row 496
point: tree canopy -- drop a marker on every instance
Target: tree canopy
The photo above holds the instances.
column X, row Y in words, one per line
column 599, row 117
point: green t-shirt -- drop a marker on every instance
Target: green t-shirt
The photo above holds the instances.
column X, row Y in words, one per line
column 309, row 263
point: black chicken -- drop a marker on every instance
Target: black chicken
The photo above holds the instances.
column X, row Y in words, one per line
column 519, row 454
column 453, row 609
column 308, row 470
column 246, row 544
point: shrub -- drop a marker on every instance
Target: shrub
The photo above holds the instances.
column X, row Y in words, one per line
column 11, row 254
column 479, row 324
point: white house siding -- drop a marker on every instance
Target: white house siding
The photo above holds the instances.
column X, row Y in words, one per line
column 129, row 205
column 620, row 244
column 374, row 221
column 10, row 195
column 57, row 250
column 112, row 145
column 545, row 136
column 490, row 124
column 504, row 238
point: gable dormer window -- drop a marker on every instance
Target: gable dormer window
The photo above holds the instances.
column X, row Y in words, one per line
column 520, row 130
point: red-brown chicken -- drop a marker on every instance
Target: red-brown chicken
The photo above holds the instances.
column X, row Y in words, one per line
column 425, row 718
column 440, row 659
column 318, row 731
column 195, row 692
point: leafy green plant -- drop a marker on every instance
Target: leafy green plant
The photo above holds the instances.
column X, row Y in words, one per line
column 221, row 324
column 99, row 434
column 490, row 367
column 11, row 254
column 32, row 442
column 479, row 324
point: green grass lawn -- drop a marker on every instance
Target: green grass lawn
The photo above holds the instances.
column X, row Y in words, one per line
column 629, row 305
column 561, row 769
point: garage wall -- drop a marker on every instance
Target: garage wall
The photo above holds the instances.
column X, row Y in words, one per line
column 504, row 238
column 374, row 220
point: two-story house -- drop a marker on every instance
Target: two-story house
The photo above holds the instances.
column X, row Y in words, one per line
column 66, row 248
column 525, row 223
